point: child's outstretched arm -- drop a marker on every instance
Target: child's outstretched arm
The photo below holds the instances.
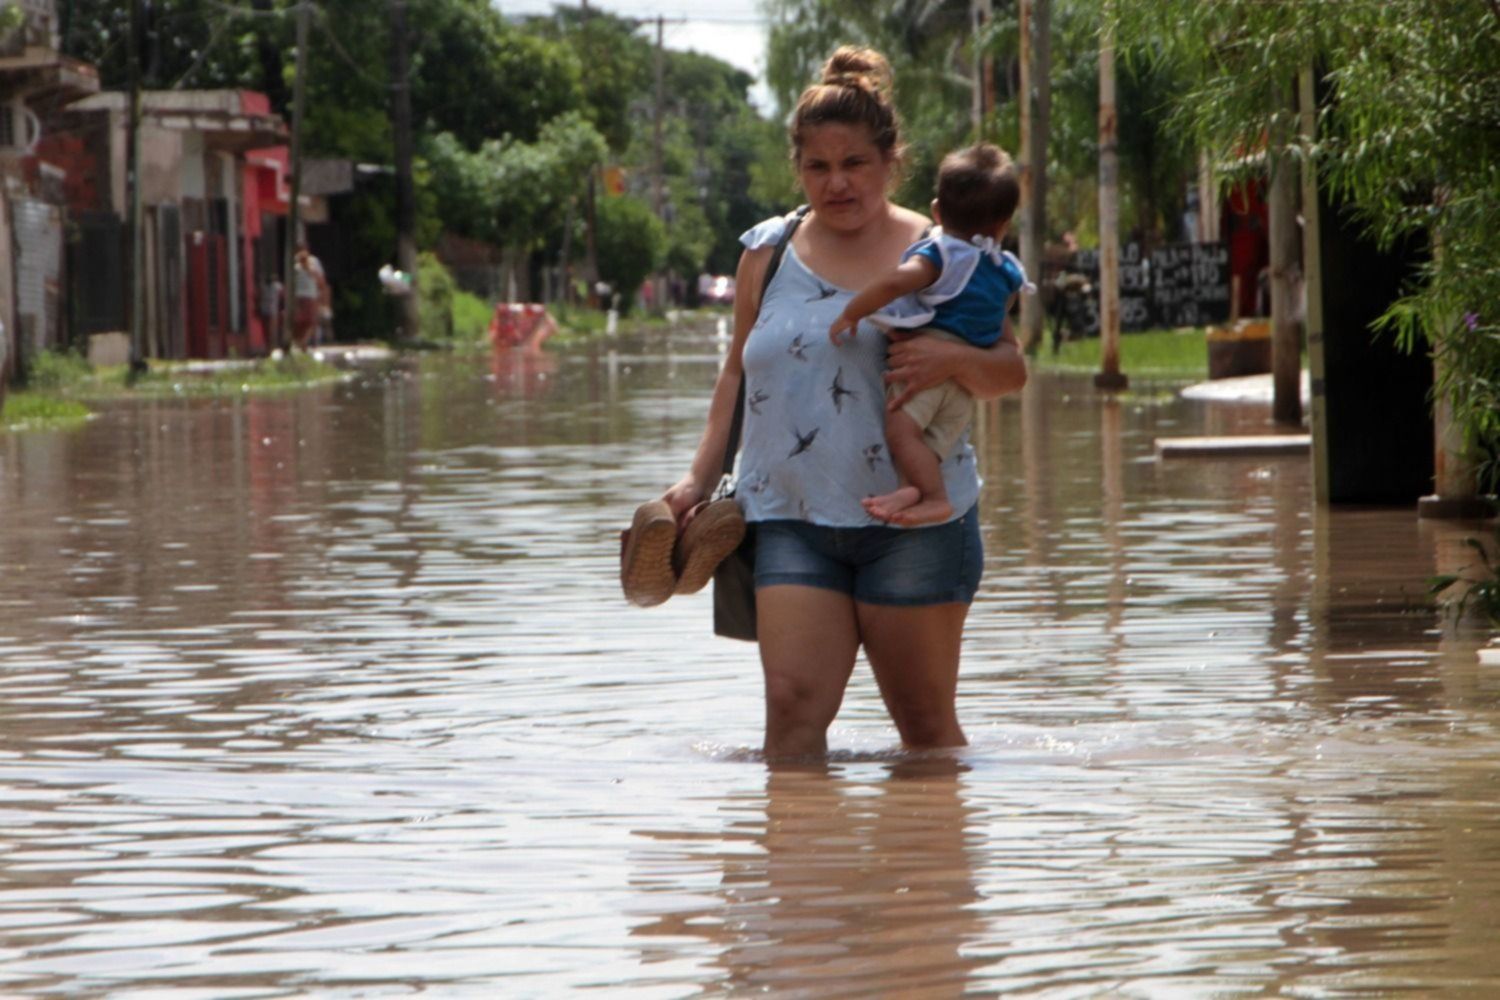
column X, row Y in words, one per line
column 909, row 276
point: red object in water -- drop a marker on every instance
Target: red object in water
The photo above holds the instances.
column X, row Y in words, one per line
column 521, row 324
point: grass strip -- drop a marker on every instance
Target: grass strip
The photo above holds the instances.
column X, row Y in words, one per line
column 1161, row 354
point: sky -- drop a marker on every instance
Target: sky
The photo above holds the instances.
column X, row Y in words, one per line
column 731, row 30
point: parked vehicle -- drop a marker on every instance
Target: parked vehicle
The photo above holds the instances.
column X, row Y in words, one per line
column 715, row 289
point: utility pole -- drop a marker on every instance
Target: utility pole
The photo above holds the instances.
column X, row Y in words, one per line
column 1281, row 210
column 591, row 218
column 982, row 100
column 658, row 204
column 133, row 187
column 1036, row 105
column 1109, row 375
column 976, row 96
column 656, row 156
column 406, row 203
column 294, row 207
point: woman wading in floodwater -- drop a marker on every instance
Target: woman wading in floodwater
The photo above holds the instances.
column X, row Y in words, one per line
column 829, row 579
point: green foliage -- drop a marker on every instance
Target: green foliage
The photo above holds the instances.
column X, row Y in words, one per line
column 1408, row 134
column 471, row 316
column 436, row 288
column 512, row 193
column 479, row 77
column 293, row 371
column 632, row 244
column 689, row 241
column 58, row 381
column 1159, row 354
column 50, row 371
column 618, row 66
column 29, row 410
column 1479, row 593
column 448, row 313
column 511, row 117
column 930, row 46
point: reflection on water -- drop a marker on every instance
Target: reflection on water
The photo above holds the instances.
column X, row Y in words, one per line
column 826, row 885
column 334, row 694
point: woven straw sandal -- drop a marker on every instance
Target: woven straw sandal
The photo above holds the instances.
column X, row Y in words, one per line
column 714, row 532
column 646, row 573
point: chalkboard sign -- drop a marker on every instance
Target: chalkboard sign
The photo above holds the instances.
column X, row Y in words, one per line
column 1190, row 284
column 1135, row 286
column 1185, row 284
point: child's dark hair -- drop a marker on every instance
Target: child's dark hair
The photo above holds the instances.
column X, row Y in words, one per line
column 977, row 189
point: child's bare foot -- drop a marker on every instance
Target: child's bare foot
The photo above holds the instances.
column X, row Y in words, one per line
column 923, row 512
column 890, row 504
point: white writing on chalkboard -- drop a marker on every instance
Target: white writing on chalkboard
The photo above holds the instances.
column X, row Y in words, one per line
column 1185, row 284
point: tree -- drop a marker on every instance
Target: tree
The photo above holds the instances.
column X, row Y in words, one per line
column 632, row 244
column 511, row 193
column 1409, row 135
column 480, row 77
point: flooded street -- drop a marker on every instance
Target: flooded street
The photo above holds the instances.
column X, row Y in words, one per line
column 335, row 694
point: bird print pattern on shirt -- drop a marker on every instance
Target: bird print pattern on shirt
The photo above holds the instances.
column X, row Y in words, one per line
column 813, row 446
column 804, row 441
column 823, row 292
column 838, row 391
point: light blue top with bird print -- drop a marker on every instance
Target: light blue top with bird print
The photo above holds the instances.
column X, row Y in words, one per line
column 814, row 436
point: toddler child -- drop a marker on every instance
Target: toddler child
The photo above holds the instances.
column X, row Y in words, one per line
column 957, row 284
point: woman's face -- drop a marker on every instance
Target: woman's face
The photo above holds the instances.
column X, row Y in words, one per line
column 844, row 174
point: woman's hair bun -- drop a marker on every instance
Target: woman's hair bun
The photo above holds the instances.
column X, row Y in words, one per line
column 853, row 66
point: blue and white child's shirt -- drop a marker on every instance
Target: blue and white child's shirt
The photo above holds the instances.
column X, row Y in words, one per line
column 975, row 282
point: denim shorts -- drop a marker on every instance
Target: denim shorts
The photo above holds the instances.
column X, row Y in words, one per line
column 939, row 564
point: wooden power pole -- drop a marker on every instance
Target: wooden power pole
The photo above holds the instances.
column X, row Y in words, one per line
column 294, row 205
column 1286, row 330
column 136, row 226
column 1036, row 106
column 406, row 201
column 1109, row 375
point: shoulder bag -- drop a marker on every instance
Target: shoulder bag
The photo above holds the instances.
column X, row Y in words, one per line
column 734, row 580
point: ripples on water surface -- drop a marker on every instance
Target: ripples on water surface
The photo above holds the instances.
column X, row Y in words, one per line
column 334, row 695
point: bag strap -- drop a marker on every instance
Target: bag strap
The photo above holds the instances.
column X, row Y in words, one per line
column 732, row 446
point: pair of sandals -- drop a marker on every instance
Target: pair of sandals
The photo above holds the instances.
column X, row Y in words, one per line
column 659, row 560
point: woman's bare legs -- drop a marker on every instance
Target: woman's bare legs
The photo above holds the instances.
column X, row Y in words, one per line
column 808, row 640
column 914, row 654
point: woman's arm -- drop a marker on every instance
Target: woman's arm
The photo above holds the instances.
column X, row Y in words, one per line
column 983, row 372
column 708, row 462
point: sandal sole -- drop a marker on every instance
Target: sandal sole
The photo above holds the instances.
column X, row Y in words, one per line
column 646, row 573
column 713, row 534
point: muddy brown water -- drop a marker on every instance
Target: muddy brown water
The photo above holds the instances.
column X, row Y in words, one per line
column 333, row 694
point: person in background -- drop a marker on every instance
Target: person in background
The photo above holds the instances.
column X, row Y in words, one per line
column 311, row 289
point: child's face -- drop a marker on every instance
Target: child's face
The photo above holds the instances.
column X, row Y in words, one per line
column 844, row 174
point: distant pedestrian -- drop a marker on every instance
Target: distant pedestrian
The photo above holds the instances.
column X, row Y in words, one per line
column 311, row 289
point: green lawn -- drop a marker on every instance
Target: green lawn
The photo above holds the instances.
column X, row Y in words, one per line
column 23, row 410
column 1160, row 354
column 60, row 386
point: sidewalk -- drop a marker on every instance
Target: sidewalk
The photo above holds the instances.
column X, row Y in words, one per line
column 1245, row 389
